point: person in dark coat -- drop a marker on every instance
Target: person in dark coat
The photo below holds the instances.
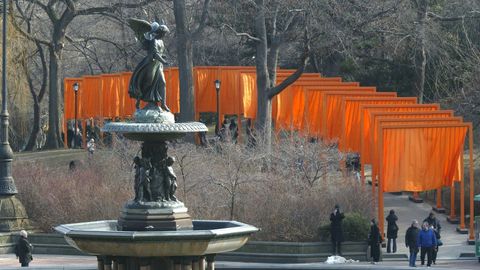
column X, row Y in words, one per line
column 436, row 227
column 427, row 242
column 374, row 241
column 336, row 230
column 23, row 250
column 411, row 242
column 233, row 130
column 392, row 230
column 433, row 221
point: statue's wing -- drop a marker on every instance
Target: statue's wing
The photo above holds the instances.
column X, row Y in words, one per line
column 140, row 27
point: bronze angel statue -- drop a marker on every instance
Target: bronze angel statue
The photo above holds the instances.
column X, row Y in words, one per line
column 148, row 81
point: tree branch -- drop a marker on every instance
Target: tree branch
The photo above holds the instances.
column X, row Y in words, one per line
column 290, row 79
column 22, row 32
column 437, row 17
column 99, row 10
column 203, row 20
column 242, row 34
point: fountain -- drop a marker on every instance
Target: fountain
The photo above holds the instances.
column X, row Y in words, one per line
column 154, row 230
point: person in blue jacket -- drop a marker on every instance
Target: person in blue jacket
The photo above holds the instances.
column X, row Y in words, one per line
column 427, row 241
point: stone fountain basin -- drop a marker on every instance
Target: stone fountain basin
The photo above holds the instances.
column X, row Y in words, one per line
column 207, row 237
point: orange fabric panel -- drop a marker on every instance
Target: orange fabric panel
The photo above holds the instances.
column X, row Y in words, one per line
column 288, row 107
column 350, row 137
column 328, row 108
column 111, row 88
column 91, row 97
column 392, row 121
column 334, row 101
column 69, row 98
column 419, row 157
column 205, row 93
column 248, row 86
column 128, row 102
column 230, row 92
column 173, row 89
column 366, row 121
column 314, row 110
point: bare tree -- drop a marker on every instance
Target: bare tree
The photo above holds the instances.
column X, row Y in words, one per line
column 59, row 14
column 185, row 38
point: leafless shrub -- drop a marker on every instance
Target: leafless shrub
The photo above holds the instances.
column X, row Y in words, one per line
column 287, row 192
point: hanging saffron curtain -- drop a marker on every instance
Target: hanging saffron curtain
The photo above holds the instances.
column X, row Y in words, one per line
column 111, row 84
column 350, row 139
column 366, row 121
column 334, row 102
column 389, row 121
column 419, row 157
column 92, row 97
column 327, row 115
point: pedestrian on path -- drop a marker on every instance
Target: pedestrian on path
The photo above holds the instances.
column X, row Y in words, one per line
column 336, row 230
column 433, row 221
column 374, row 241
column 392, row 230
column 439, row 243
column 23, row 249
column 411, row 242
column 427, row 242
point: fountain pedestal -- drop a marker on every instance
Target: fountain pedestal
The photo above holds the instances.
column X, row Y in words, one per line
column 154, row 230
column 166, row 216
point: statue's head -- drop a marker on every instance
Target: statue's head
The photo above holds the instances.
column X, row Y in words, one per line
column 159, row 30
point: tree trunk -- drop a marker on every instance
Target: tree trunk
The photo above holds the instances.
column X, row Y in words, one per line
column 263, row 81
column 53, row 134
column 36, row 123
column 185, row 63
column 421, row 28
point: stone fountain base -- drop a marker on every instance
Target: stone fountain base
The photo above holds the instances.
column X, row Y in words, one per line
column 154, row 216
column 148, row 250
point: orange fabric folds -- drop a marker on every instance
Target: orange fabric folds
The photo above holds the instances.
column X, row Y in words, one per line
column 91, row 97
column 112, row 99
column 419, row 157
column 366, row 122
column 248, row 83
column 350, row 136
column 334, row 103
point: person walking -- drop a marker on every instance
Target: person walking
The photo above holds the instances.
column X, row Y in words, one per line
column 427, row 242
column 336, row 230
column 392, row 230
column 374, row 241
column 23, row 249
column 411, row 242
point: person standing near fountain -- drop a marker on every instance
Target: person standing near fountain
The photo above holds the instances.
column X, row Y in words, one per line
column 336, row 230
column 23, row 250
column 148, row 81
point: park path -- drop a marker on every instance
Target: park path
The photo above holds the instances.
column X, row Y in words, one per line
column 454, row 244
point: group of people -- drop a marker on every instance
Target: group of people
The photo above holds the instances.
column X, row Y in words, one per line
column 426, row 240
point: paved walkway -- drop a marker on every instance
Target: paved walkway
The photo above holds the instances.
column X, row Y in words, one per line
column 454, row 243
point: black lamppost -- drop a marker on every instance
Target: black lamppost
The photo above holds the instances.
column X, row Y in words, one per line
column 7, row 184
column 217, row 87
column 75, row 90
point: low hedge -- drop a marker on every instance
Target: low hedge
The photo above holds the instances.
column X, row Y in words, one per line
column 355, row 228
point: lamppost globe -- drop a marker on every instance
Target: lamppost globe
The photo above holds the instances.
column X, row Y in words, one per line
column 217, row 85
column 75, row 87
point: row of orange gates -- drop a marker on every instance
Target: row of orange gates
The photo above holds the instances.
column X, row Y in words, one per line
column 409, row 146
